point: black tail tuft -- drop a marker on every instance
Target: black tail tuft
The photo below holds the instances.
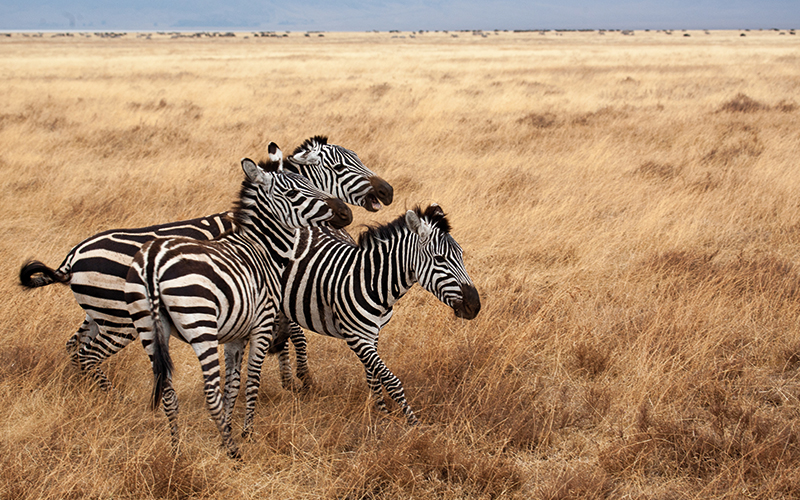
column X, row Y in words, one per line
column 162, row 364
column 46, row 276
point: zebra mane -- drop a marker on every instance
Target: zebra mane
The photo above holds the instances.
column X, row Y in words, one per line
column 247, row 195
column 309, row 143
column 268, row 165
column 433, row 215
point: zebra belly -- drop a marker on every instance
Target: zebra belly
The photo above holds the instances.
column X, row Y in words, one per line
column 322, row 320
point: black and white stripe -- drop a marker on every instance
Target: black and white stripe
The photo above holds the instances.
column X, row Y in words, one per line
column 96, row 268
column 347, row 290
column 345, row 174
column 225, row 290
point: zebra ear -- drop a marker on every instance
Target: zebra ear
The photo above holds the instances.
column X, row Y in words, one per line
column 309, row 152
column 251, row 170
column 418, row 226
column 275, row 154
column 308, row 157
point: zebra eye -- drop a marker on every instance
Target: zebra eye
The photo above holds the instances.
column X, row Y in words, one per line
column 339, row 167
column 439, row 259
column 291, row 193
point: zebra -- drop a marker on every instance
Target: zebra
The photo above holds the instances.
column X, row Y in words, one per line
column 347, row 290
column 224, row 290
column 96, row 268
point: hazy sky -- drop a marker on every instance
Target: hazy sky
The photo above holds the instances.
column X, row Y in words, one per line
column 383, row 15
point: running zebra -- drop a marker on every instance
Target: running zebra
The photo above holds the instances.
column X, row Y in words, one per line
column 96, row 268
column 347, row 290
column 226, row 290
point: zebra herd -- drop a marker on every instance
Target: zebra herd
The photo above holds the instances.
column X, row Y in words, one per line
column 278, row 262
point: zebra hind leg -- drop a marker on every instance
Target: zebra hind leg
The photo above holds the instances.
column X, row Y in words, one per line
column 209, row 363
column 170, row 402
column 234, row 352
column 92, row 354
column 85, row 333
column 259, row 346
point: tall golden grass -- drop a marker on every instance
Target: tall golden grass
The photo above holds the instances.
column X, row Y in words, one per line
column 629, row 207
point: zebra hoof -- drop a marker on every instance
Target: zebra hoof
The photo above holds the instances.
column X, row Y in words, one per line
column 234, row 454
column 295, row 386
column 308, row 382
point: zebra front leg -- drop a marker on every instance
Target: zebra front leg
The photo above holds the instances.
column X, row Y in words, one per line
column 280, row 345
column 362, row 349
column 259, row 345
column 375, row 387
column 301, row 356
column 373, row 364
column 234, row 352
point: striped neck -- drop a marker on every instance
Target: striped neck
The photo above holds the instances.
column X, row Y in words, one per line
column 273, row 237
column 388, row 260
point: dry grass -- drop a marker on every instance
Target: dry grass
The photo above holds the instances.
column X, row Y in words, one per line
column 628, row 206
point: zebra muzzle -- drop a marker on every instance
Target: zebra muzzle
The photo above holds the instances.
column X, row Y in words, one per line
column 470, row 304
column 342, row 215
column 381, row 192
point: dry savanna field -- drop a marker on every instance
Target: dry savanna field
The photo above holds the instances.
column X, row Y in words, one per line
column 629, row 209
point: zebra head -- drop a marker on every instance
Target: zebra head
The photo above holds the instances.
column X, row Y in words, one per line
column 290, row 199
column 339, row 171
column 439, row 264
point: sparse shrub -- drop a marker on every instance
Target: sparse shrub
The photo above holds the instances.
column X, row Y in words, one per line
column 379, row 90
column 765, row 275
column 790, row 356
column 741, row 103
column 590, row 359
column 655, row 170
column 602, row 116
column 785, row 106
column 538, row 120
column 703, row 446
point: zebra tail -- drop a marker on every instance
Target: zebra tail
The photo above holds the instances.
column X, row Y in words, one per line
column 162, row 361
column 46, row 275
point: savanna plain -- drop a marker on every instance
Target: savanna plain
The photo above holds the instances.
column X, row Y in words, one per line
column 628, row 206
